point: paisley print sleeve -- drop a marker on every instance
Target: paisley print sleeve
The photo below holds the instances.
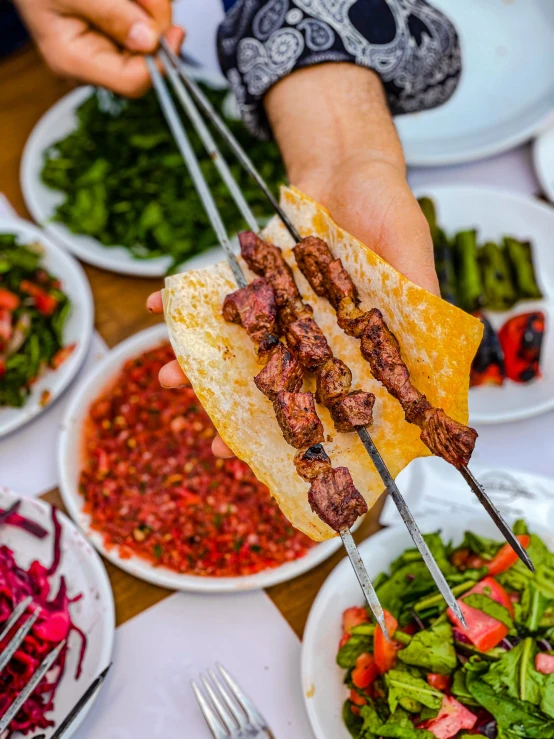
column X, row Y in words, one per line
column 411, row 45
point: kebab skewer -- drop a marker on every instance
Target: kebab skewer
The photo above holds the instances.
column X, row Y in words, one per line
column 337, row 482
column 442, row 435
column 351, row 403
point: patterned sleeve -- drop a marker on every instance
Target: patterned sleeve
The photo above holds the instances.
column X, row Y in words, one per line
column 412, row 46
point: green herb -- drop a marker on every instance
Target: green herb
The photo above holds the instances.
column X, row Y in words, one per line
column 432, row 650
column 487, row 605
column 158, row 551
column 349, row 652
column 407, row 684
column 125, row 183
column 485, row 548
column 352, row 722
column 400, row 726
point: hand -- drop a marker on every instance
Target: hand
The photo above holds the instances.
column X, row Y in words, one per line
column 101, row 42
column 342, row 149
column 172, row 376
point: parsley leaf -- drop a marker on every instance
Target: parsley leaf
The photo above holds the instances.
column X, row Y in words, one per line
column 432, row 650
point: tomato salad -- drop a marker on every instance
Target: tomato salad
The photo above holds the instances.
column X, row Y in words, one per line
column 33, row 313
column 437, row 678
column 153, row 487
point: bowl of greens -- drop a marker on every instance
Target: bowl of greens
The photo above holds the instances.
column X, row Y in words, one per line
column 436, row 678
column 103, row 175
column 46, row 322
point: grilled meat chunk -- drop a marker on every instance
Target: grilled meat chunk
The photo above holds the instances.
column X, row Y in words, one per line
column 312, row 256
column 351, row 319
column 312, row 462
column 267, row 261
column 282, row 372
column 298, row 419
column 334, row 498
column 308, row 342
column 338, row 284
column 352, row 411
column 447, row 438
column 333, row 380
column 254, row 307
column 266, row 347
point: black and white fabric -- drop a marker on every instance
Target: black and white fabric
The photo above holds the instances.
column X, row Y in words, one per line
column 411, row 45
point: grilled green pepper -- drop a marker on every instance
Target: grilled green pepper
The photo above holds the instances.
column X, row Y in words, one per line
column 444, row 264
column 523, row 271
column 470, row 286
column 498, row 289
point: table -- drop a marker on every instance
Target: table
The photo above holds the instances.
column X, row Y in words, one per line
column 29, row 88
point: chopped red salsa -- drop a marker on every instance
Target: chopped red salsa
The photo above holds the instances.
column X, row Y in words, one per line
column 153, row 487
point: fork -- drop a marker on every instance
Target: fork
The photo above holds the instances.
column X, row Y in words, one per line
column 228, row 711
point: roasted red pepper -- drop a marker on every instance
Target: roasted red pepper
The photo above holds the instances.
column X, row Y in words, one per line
column 488, row 365
column 521, row 341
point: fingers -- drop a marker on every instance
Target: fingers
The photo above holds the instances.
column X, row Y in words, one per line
column 154, row 303
column 220, row 448
column 123, row 21
column 160, row 11
column 172, row 376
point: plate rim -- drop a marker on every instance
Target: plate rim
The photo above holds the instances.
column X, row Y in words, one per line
column 428, row 523
column 71, row 427
column 104, row 585
column 528, row 201
column 74, row 271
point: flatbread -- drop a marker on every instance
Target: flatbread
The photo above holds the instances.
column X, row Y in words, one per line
column 438, row 343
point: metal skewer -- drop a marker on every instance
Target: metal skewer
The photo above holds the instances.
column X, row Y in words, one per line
column 247, row 163
column 363, row 434
column 212, row 211
column 81, row 703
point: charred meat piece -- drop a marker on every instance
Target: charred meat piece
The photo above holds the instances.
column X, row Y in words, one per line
column 380, row 348
column 334, row 498
column 417, row 409
column 351, row 319
column 282, row 372
column 312, row 462
column 447, row 438
column 312, row 256
column 267, row 261
column 338, row 284
column 254, row 307
column 298, row 419
column 291, row 311
column 353, row 411
column 308, row 343
column 333, row 380
column 266, row 347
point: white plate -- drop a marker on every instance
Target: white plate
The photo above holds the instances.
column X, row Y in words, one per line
column 69, row 463
column 94, row 613
column 495, row 213
column 543, row 159
column 41, row 201
column 78, row 328
column 506, row 93
column 322, row 679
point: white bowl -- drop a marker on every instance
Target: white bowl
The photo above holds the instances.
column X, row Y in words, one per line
column 84, row 573
column 69, row 463
column 78, row 328
column 322, row 679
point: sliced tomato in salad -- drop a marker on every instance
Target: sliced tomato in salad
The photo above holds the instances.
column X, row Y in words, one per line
column 440, row 682
column 45, row 303
column 365, row 671
column 503, row 559
column 483, row 631
column 544, row 663
column 494, row 590
column 452, row 718
column 353, row 617
column 385, row 651
column 61, row 355
column 357, row 699
column 8, row 300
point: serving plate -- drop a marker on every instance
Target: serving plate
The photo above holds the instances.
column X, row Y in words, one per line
column 56, row 123
column 69, row 464
column 505, row 95
column 543, row 160
column 495, row 213
column 85, row 574
column 78, row 328
column 322, row 680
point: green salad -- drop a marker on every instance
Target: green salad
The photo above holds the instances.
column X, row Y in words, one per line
column 436, row 678
column 125, row 182
column 33, row 312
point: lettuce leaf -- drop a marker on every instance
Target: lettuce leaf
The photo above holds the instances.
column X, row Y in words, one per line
column 349, row 653
column 432, row 650
column 400, row 726
column 403, row 683
column 489, row 606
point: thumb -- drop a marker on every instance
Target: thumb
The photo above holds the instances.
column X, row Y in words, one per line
column 124, row 21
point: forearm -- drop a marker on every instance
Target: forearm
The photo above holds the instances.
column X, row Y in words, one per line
column 323, row 116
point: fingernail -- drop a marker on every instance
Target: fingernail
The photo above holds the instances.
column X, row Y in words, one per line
column 142, row 37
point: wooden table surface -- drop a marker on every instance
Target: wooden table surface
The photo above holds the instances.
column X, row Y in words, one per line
column 28, row 89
